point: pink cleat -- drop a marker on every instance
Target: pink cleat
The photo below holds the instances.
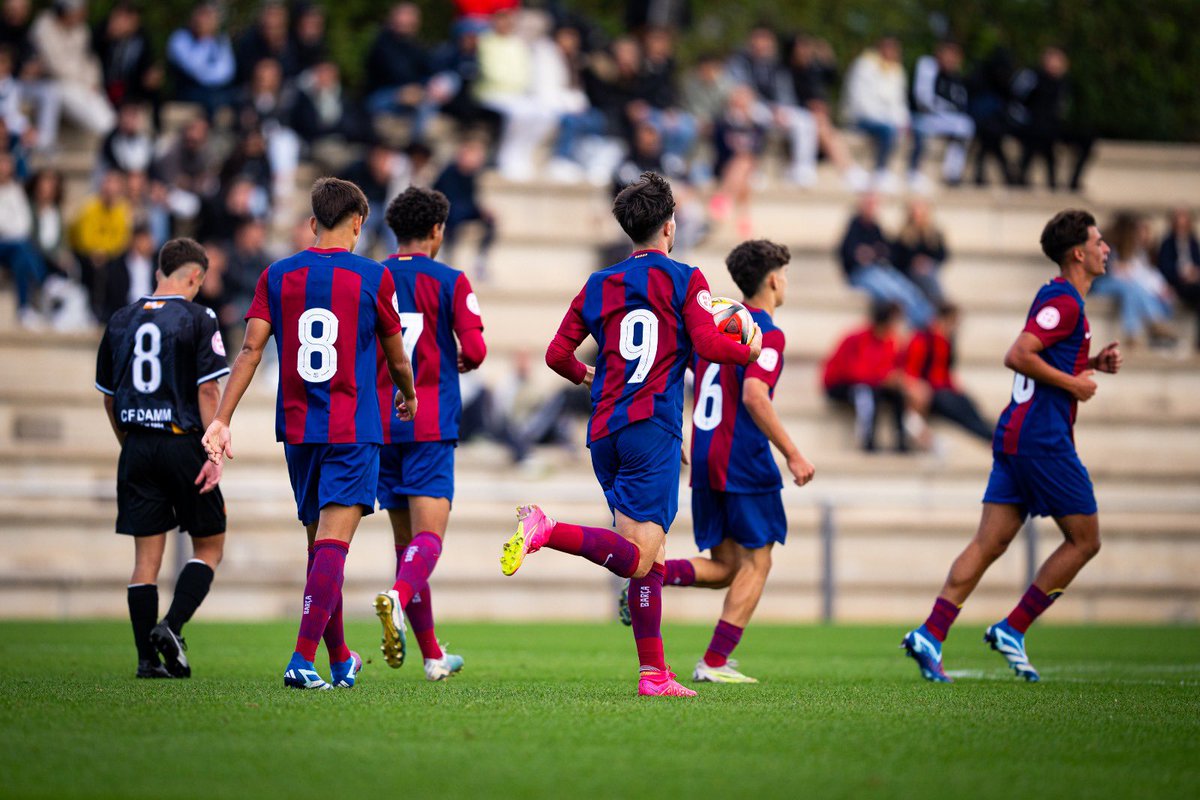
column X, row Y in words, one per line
column 652, row 683
column 533, row 531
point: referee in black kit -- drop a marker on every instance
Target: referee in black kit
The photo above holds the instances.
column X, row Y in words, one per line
column 159, row 365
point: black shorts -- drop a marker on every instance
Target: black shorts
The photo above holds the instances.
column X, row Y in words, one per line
column 156, row 487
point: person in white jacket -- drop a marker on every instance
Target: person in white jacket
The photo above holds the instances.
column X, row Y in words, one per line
column 16, row 247
column 63, row 42
column 876, row 101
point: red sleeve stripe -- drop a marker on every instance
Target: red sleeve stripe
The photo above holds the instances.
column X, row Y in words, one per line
column 294, row 391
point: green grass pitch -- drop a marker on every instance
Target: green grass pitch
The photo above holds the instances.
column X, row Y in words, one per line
column 550, row 711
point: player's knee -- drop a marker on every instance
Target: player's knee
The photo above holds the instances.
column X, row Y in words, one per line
column 644, row 565
column 724, row 577
column 1089, row 547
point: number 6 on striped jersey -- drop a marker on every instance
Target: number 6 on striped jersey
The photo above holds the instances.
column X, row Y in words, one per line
column 644, row 350
column 707, row 415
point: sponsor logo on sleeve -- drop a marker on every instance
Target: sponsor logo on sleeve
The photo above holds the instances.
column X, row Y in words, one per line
column 768, row 359
column 473, row 304
column 1048, row 318
column 704, row 298
column 218, row 344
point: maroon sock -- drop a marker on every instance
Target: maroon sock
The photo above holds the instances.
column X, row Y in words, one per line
column 680, row 572
column 335, row 631
column 645, row 607
column 1032, row 604
column 416, row 565
column 941, row 618
column 598, row 545
column 420, row 619
column 322, row 591
column 725, row 637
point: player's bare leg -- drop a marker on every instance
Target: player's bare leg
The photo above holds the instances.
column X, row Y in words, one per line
column 330, row 541
column 1081, row 543
column 142, row 596
column 741, row 599
column 416, row 556
column 191, row 587
column 999, row 524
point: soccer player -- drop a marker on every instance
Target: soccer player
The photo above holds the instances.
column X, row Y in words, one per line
column 159, row 365
column 416, row 465
column 329, row 311
column 737, row 502
column 1035, row 469
column 646, row 314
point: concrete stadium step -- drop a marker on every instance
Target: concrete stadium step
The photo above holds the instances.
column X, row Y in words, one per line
column 991, row 222
column 880, row 565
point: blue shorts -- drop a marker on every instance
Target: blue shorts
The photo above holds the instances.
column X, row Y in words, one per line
column 324, row 474
column 752, row 520
column 638, row 468
column 415, row 469
column 1043, row 486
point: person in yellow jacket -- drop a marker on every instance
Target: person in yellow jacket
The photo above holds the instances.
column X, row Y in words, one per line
column 101, row 231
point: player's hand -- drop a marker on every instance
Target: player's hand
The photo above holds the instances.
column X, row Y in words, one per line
column 756, row 344
column 1083, row 387
column 588, row 376
column 406, row 407
column 217, row 441
column 683, row 455
column 209, row 477
column 1109, row 359
column 463, row 366
column 801, row 468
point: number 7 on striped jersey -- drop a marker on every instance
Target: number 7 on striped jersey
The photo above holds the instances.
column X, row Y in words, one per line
column 412, row 325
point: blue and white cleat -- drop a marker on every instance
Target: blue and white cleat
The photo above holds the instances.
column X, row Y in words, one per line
column 342, row 675
column 301, row 674
column 438, row 669
column 924, row 648
column 623, row 612
column 1010, row 643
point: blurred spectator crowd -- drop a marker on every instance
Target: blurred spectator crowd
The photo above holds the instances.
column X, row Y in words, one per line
column 204, row 131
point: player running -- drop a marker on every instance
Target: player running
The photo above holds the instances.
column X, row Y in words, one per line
column 646, row 314
column 416, row 464
column 327, row 308
column 1035, row 469
column 159, row 365
column 737, row 491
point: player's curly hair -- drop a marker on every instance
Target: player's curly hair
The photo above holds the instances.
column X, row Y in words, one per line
column 643, row 207
column 334, row 199
column 413, row 213
column 751, row 262
column 1066, row 231
column 178, row 252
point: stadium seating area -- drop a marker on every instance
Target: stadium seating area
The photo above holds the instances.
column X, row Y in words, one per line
column 897, row 520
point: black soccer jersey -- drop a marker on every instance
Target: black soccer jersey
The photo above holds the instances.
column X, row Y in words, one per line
column 154, row 354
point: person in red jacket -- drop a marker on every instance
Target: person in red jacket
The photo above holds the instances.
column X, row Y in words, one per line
column 862, row 374
column 929, row 364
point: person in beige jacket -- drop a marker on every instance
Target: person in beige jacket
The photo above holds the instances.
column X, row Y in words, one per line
column 875, row 102
column 63, row 42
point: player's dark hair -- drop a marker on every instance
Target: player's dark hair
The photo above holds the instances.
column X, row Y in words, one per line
column 883, row 311
column 947, row 309
column 179, row 252
column 333, row 200
column 1067, row 230
column 751, row 262
column 413, row 213
column 643, row 207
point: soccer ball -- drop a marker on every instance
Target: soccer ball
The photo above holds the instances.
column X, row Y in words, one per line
column 732, row 319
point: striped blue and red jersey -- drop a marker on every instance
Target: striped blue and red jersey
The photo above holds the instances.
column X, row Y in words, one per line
column 435, row 304
column 646, row 314
column 1040, row 419
column 729, row 451
column 327, row 308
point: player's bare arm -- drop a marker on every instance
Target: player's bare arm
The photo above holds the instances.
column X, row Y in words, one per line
column 208, row 397
column 756, row 396
column 1107, row 360
column 110, row 410
column 1024, row 357
column 217, row 440
column 400, row 368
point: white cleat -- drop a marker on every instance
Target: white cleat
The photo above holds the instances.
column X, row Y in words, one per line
column 723, row 674
column 438, row 669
